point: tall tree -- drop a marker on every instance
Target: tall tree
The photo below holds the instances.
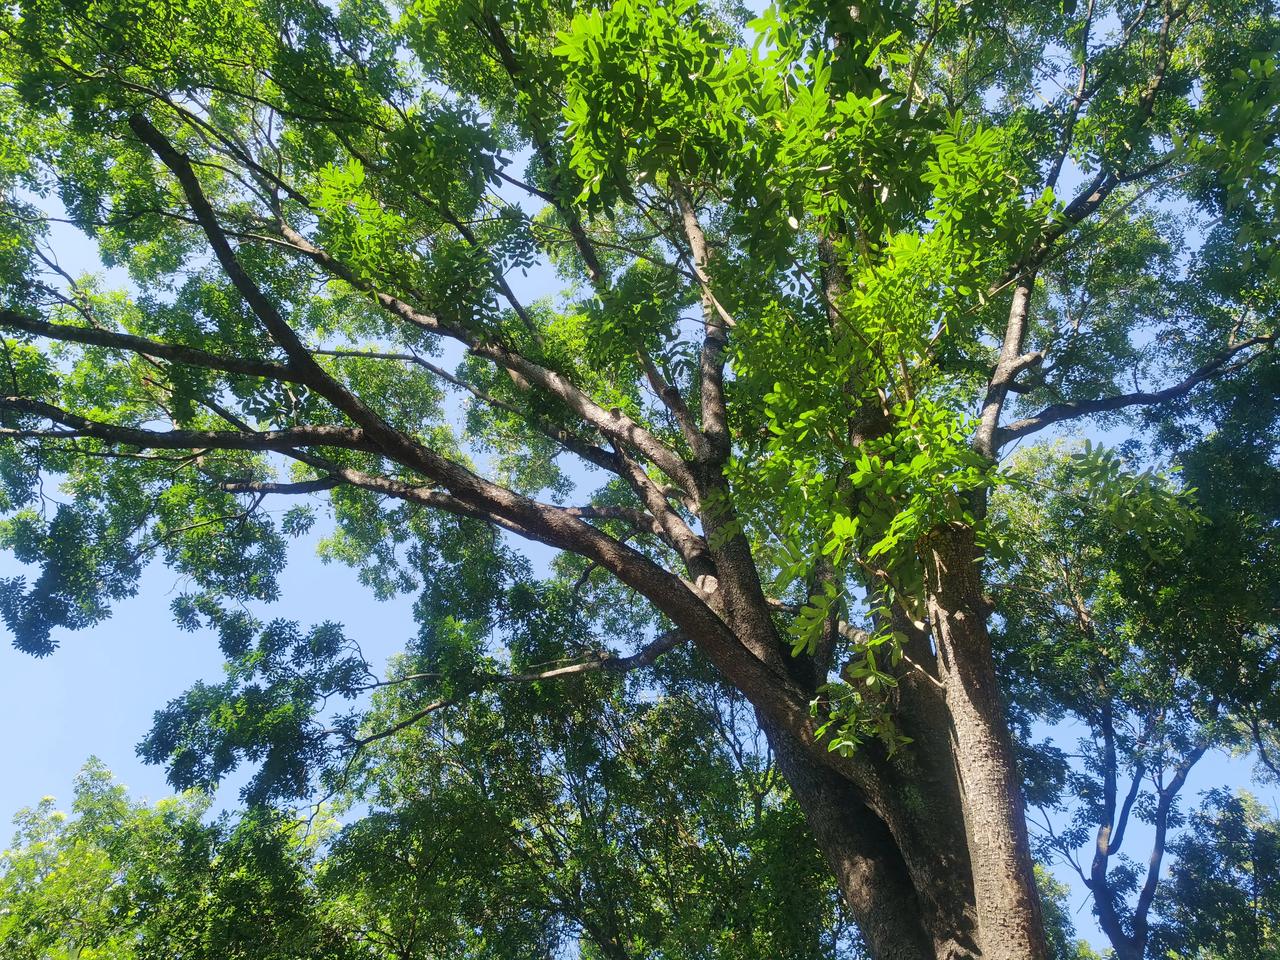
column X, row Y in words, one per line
column 1152, row 625
column 818, row 271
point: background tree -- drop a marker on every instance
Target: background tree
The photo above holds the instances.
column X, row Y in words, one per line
column 1150, row 623
column 117, row 880
column 641, row 814
column 804, row 275
column 584, row 844
column 1221, row 900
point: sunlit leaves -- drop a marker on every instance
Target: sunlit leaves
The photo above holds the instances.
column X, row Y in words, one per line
column 1224, row 894
column 117, row 879
column 641, row 76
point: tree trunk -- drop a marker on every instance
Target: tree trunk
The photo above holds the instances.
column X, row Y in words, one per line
column 897, row 908
column 1010, row 926
column 868, row 868
column 929, row 846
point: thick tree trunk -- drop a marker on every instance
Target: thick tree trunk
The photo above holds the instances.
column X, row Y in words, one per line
column 867, row 865
column 929, row 846
column 898, row 906
column 1010, row 926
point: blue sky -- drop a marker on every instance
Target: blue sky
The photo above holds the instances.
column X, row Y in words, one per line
column 96, row 694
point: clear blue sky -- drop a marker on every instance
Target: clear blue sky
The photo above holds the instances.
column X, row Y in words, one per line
column 96, row 694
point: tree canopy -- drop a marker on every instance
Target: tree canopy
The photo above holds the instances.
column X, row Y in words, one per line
column 742, row 313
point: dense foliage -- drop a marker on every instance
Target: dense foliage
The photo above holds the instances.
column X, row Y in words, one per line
column 741, row 313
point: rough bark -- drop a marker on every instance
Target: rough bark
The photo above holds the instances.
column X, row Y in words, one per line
column 868, row 868
column 924, row 774
column 1010, row 926
column 921, row 908
column 892, row 827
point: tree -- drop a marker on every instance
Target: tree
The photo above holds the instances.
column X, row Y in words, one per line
column 600, row 852
column 118, row 880
column 56, row 889
column 1059, row 927
column 1222, row 900
column 545, row 817
column 817, row 272
column 1155, row 630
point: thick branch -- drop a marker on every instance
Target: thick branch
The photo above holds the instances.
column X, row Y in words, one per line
column 612, row 423
column 714, row 413
column 670, row 397
column 262, row 307
column 1099, row 883
column 1163, row 807
column 566, row 438
column 538, row 521
column 1008, row 366
column 1074, row 409
column 756, row 669
column 542, row 522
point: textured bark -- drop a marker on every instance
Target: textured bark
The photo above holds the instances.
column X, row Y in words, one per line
column 1010, row 926
column 898, row 907
column 924, row 775
column 892, row 828
column 871, row 874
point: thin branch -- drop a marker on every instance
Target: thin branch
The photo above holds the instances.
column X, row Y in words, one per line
column 1126, row 809
column 348, row 438
column 506, row 58
column 570, row 441
column 672, row 400
column 1260, row 744
column 612, row 423
column 175, row 353
column 606, row 662
column 693, row 549
column 1077, row 101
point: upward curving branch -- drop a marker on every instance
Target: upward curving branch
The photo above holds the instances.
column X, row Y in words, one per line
column 544, row 522
column 611, row 423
